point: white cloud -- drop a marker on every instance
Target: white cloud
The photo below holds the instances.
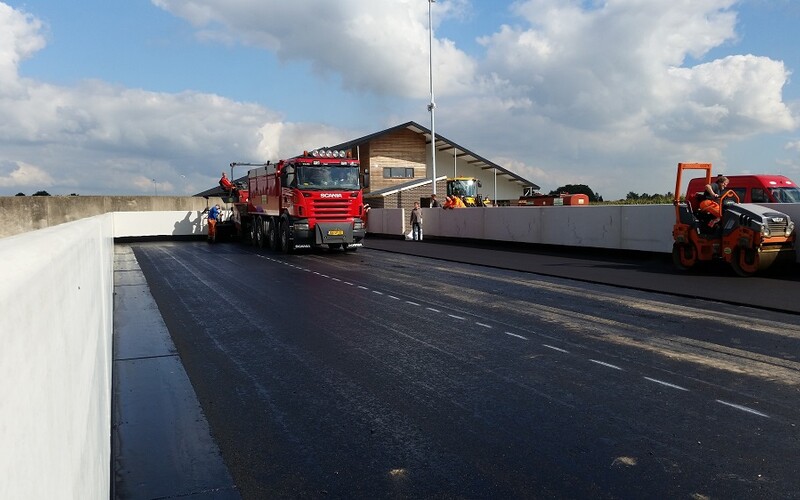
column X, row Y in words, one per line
column 616, row 85
column 379, row 47
column 616, row 91
column 22, row 175
column 20, row 38
column 100, row 138
column 606, row 93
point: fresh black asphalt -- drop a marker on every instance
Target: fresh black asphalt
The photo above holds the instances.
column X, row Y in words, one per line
column 424, row 370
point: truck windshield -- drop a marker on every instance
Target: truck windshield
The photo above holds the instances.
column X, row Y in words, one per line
column 327, row 177
column 786, row 195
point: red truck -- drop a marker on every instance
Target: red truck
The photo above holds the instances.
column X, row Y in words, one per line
column 310, row 201
column 755, row 188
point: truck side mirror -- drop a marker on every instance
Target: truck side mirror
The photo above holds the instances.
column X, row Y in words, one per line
column 288, row 177
column 364, row 179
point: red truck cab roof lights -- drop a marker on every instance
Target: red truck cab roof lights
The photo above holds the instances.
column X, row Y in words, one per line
column 324, row 156
column 328, row 153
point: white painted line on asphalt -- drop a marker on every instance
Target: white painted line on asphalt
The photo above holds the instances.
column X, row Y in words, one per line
column 347, row 283
column 432, row 309
column 393, row 297
column 483, row 325
column 324, row 275
column 606, row 364
column 666, row 384
column 456, row 317
column 315, row 272
column 335, row 279
column 363, row 287
column 412, row 303
column 743, row 408
column 517, row 336
column 379, row 293
column 556, row 348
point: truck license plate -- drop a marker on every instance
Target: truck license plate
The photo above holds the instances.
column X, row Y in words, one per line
column 335, row 232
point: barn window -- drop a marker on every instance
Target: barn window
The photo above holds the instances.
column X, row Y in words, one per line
column 398, row 173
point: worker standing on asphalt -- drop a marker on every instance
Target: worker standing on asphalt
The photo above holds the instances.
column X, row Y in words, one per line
column 213, row 216
column 416, row 222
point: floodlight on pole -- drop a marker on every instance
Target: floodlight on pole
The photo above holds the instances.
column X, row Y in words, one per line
column 432, row 105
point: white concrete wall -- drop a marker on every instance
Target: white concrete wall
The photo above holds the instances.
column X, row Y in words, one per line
column 55, row 361
column 172, row 223
column 645, row 228
column 28, row 213
column 626, row 227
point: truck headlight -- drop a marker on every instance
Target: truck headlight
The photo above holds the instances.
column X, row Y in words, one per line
column 765, row 231
column 301, row 226
column 358, row 224
column 789, row 228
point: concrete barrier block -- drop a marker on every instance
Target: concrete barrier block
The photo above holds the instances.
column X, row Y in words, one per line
column 173, row 223
column 517, row 224
column 55, row 363
column 647, row 227
column 595, row 227
column 462, row 223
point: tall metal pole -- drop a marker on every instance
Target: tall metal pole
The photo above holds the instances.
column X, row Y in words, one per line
column 495, row 187
column 432, row 105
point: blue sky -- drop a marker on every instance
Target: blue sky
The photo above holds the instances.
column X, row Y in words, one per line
column 105, row 97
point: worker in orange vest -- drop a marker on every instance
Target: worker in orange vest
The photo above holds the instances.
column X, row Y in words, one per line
column 713, row 193
column 225, row 183
column 454, row 201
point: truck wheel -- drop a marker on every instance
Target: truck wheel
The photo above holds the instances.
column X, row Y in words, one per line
column 252, row 231
column 259, row 237
column 272, row 235
column 262, row 240
column 684, row 256
column 745, row 261
column 286, row 245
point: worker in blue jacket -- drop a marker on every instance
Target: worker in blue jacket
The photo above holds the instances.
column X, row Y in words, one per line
column 213, row 216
